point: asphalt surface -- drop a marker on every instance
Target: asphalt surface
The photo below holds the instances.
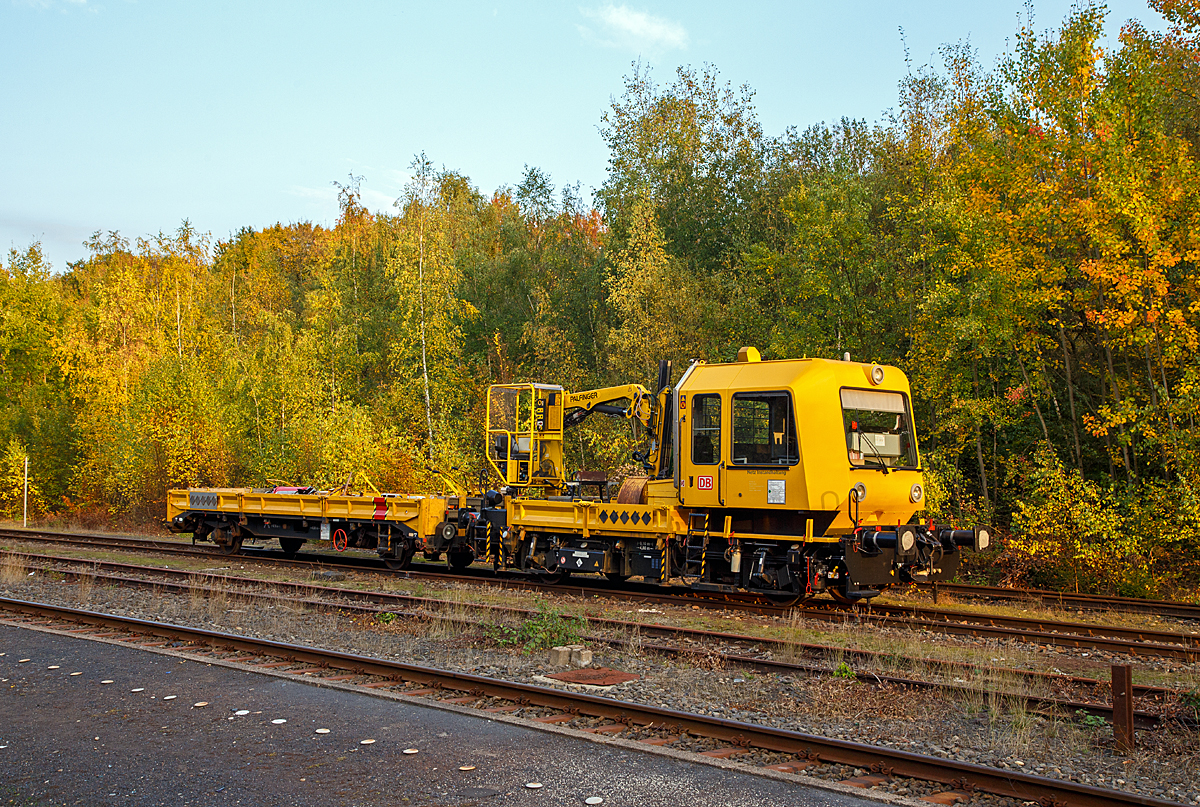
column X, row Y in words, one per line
column 71, row 739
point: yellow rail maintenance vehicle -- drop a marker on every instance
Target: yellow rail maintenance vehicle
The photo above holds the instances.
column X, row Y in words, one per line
column 782, row 478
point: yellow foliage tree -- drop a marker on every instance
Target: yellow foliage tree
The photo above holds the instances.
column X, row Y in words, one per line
column 660, row 309
column 12, row 483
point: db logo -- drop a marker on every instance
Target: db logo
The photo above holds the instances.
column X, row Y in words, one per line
column 704, row 483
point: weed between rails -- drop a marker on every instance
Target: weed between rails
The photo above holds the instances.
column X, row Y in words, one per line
column 633, row 641
column 12, row 571
column 85, row 589
column 549, row 627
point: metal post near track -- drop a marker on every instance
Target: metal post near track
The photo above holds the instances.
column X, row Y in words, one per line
column 1122, row 702
column 491, row 553
column 25, row 506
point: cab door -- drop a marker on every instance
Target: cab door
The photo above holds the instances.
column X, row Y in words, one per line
column 764, row 451
column 702, row 457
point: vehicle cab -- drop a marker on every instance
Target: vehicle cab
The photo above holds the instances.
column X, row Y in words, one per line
column 783, row 443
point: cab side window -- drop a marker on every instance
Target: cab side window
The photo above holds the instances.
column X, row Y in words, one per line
column 706, row 429
column 764, row 429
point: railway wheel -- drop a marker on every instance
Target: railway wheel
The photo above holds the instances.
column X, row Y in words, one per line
column 616, row 577
column 434, row 556
column 552, row 578
column 460, row 559
column 402, row 561
column 231, row 545
column 840, row 596
column 291, row 546
column 784, row 598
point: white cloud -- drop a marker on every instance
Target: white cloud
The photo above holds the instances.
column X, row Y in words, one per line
column 622, row 26
column 379, row 202
column 371, row 199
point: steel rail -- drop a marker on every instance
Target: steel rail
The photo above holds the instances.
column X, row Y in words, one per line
column 958, row 775
column 379, row 602
column 1188, row 653
column 372, row 565
column 677, row 595
column 90, row 539
column 1173, row 608
column 1055, row 626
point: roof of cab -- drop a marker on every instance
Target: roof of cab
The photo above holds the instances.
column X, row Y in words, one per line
column 758, row 375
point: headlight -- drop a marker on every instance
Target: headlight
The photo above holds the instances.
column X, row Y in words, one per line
column 877, row 375
column 860, row 492
column 916, row 493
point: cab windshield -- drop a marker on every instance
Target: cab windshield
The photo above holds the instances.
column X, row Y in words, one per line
column 878, row 429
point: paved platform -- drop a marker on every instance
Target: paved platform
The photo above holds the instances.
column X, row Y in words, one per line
column 71, row 739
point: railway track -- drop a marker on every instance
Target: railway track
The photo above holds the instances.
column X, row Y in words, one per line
column 1090, row 602
column 1057, row 633
column 763, row 654
column 747, row 744
column 1168, row 608
column 1029, row 630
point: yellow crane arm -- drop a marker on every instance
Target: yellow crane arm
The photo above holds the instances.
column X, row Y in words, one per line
column 578, row 405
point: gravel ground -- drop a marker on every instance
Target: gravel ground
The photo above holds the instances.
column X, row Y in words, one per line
column 982, row 729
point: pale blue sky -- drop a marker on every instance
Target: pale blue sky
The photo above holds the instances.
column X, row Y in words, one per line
column 131, row 116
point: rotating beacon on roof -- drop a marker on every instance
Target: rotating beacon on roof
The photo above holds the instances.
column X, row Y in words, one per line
column 782, row 478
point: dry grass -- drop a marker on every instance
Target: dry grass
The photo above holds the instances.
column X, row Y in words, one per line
column 792, row 635
column 197, row 601
column 989, row 693
column 901, row 652
column 452, row 618
column 850, row 700
column 85, row 587
column 702, row 659
column 1172, row 675
column 632, row 646
column 999, row 699
column 216, row 602
column 13, row 571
